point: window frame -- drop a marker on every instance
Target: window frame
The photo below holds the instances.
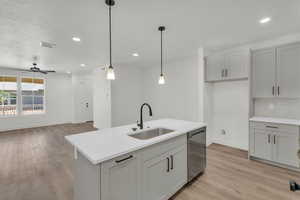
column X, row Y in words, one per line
column 21, row 96
column 17, row 96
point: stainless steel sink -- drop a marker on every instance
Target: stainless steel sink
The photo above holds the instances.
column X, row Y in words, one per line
column 148, row 134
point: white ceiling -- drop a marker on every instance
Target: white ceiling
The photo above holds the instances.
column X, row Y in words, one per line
column 190, row 24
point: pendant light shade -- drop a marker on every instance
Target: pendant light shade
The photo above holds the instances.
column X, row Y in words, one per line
column 110, row 70
column 161, row 79
column 110, row 75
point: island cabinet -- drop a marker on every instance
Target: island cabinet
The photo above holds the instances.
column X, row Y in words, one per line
column 154, row 173
column 164, row 173
column 120, row 178
column 276, row 143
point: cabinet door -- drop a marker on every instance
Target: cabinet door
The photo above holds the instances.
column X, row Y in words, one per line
column 264, row 70
column 119, row 179
column 178, row 169
column 237, row 64
column 262, row 144
column 214, row 67
column 288, row 71
column 155, row 178
column 285, row 149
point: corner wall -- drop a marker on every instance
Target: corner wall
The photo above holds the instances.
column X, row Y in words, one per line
column 58, row 107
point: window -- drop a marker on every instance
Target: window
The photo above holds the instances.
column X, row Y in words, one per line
column 32, row 95
column 8, row 95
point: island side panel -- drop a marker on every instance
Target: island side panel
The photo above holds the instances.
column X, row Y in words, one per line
column 87, row 179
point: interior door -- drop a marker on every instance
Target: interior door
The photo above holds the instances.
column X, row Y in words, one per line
column 156, row 178
column 288, row 71
column 286, row 146
column 262, row 144
column 264, row 71
column 84, row 100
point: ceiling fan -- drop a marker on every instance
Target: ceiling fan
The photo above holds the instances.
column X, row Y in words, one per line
column 34, row 68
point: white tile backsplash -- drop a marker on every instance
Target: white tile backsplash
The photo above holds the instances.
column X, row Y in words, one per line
column 281, row 108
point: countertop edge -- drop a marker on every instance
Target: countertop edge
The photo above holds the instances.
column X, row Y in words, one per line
column 293, row 122
column 107, row 158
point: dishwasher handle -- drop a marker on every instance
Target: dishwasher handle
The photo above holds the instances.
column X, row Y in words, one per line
column 191, row 134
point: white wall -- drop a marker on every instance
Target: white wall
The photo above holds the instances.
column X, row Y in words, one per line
column 102, row 99
column 58, row 107
column 126, row 95
column 231, row 113
column 178, row 98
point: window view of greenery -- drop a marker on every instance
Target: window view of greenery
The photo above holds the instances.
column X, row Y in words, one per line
column 8, row 96
column 32, row 95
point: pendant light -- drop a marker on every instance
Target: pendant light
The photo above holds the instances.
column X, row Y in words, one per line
column 161, row 79
column 110, row 71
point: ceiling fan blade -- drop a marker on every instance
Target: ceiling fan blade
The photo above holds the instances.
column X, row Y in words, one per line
column 50, row 71
column 43, row 72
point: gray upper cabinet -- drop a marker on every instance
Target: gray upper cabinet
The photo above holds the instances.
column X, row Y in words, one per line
column 263, row 73
column 227, row 66
column 288, row 71
column 237, row 64
column 214, row 68
column 275, row 72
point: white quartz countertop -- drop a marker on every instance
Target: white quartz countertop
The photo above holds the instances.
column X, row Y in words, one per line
column 276, row 120
column 102, row 145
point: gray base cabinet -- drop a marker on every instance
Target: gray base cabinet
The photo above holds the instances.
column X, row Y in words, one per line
column 275, row 142
column 162, row 176
column 120, row 178
column 154, row 173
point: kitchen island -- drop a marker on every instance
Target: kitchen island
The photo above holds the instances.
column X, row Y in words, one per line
column 111, row 164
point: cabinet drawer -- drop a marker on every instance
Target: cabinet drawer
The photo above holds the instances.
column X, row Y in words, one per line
column 163, row 147
column 274, row 127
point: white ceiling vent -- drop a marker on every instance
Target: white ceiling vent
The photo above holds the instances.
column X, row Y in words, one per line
column 47, row 44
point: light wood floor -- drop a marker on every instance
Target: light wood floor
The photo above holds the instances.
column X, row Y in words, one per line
column 36, row 164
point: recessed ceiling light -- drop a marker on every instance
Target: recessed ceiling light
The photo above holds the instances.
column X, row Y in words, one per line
column 265, row 20
column 135, row 54
column 76, row 39
column 68, row 72
column 82, row 65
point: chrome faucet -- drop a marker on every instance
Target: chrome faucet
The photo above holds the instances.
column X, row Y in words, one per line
column 141, row 124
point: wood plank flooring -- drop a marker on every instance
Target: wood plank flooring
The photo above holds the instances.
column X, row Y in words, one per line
column 36, row 164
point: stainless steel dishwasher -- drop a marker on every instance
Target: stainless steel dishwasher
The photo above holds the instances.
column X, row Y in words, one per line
column 196, row 153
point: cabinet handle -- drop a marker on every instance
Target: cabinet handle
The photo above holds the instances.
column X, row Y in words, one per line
column 273, row 90
column 168, row 164
column 274, row 139
column 269, row 138
column 271, row 127
column 278, row 91
column 172, row 162
column 122, row 160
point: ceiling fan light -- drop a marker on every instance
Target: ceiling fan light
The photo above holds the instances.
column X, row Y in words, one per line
column 110, row 75
column 161, row 80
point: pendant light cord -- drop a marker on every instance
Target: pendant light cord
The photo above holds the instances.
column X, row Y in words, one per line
column 161, row 53
column 110, row 46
